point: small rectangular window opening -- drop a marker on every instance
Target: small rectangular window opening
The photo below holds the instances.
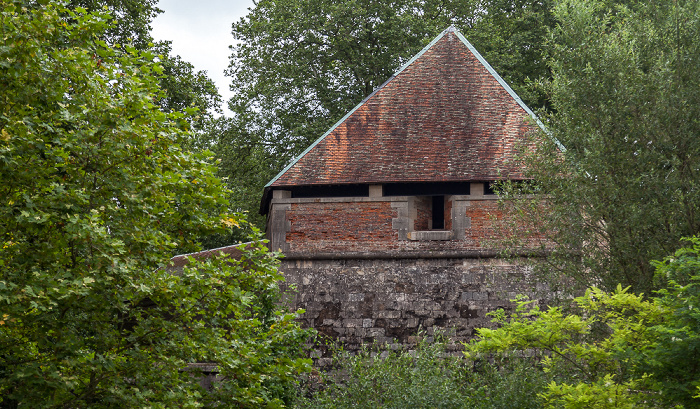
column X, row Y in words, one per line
column 438, row 211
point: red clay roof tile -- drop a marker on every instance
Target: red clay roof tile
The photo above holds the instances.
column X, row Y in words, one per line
column 446, row 116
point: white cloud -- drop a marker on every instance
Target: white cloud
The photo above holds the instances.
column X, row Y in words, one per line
column 201, row 33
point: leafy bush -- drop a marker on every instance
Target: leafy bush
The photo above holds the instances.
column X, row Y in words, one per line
column 427, row 377
column 620, row 350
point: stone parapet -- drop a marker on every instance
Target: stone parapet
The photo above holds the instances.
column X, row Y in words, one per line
column 380, row 224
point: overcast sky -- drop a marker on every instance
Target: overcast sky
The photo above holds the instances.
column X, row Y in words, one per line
column 200, row 32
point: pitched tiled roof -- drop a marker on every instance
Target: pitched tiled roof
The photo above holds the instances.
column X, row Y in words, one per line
column 445, row 116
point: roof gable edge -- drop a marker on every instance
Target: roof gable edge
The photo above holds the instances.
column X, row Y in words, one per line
column 506, row 86
column 474, row 52
column 337, row 124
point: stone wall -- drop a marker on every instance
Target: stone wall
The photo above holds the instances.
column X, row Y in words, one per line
column 370, row 268
column 387, row 300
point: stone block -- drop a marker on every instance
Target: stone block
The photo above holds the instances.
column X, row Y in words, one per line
column 356, row 297
column 397, row 323
column 447, row 294
column 375, row 332
column 427, row 235
column 376, row 191
column 388, row 314
column 421, row 313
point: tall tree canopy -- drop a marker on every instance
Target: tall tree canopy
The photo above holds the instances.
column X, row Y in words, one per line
column 627, row 99
column 97, row 194
column 132, row 19
column 301, row 65
column 183, row 86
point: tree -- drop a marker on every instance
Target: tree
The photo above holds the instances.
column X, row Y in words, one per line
column 301, row 65
column 132, row 19
column 626, row 107
column 97, row 195
column 619, row 350
column 244, row 167
column 182, row 86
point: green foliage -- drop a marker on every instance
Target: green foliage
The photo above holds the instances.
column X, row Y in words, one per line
column 301, row 65
column 582, row 361
column 504, row 383
column 619, row 349
column 132, row 19
column 97, row 195
column 244, row 167
column 182, row 86
column 675, row 356
column 626, row 107
column 428, row 377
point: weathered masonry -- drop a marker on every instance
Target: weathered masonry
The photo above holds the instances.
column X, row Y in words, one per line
column 387, row 221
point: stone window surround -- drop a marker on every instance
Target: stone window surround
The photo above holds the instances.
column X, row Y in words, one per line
column 403, row 224
column 460, row 222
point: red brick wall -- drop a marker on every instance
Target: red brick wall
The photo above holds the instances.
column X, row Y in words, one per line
column 448, row 214
column 485, row 217
column 367, row 226
column 343, row 226
column 423, row 213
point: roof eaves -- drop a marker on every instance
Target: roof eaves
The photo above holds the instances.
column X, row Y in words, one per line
column 337, row 124
column 506, row 86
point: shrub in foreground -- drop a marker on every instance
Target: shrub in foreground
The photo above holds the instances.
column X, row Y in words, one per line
column 619, row 350
column 427, row 377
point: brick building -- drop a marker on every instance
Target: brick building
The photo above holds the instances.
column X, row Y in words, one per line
column 385, row 221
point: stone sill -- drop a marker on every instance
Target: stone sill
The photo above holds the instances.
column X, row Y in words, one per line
column 430, row 235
